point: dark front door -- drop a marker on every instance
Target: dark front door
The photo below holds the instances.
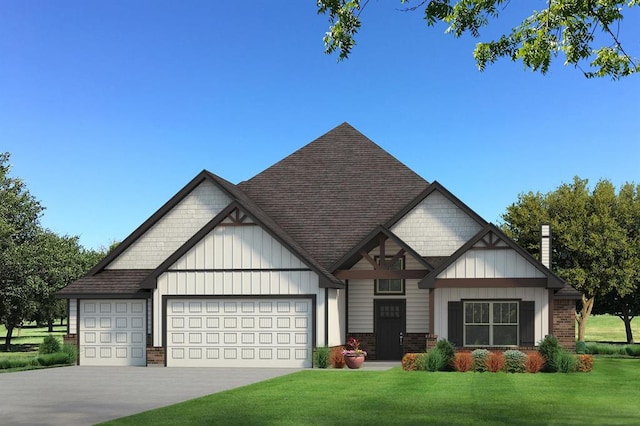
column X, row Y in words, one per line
column 390, row 328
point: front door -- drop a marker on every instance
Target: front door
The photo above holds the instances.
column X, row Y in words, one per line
column 390, row 324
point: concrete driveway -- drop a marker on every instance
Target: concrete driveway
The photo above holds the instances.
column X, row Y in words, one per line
column 88, row 395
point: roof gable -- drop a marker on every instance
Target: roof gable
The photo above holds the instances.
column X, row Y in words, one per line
column 204, row 176
column 232, row 214
column 490, row 237
column 322, row 195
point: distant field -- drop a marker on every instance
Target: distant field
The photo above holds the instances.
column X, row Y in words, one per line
column 609, row 328
column 28, row 338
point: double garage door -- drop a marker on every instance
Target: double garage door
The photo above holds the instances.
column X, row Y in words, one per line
column 238, row 332
column 113, row 332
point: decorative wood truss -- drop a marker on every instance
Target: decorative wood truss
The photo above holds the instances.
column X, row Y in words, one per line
column 237, row 218
column 381, row 266
column 491, row 242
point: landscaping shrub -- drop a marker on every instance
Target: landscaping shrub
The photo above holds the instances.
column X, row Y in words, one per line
column 71, row 351
column 409, row 361
column 462, row 362
column 534, row 362
column 566, row 363
column 515, row 361
column 6, row 363
column 335, row 358
column 585, row 363
column 480, row 359
column 495, row 362
column 633, row 350
column 606, row 349
column 435, row 361
column 448, row 352
column 53, row 359
column 550, row 351
column 581, row 348
column 421, row 362
column 321, row 357
column 49, row 345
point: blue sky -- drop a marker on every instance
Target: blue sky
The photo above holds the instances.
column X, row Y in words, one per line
column 108, row 108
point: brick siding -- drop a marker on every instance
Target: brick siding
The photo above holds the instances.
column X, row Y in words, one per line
column 155, row 355
column 564, row 319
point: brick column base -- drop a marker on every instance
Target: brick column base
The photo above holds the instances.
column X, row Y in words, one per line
column 155, row 356
column 432, row 340
column 564, row 323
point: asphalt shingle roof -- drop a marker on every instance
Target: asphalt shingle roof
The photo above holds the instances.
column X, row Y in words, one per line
column 331, row 193
column 109, row 281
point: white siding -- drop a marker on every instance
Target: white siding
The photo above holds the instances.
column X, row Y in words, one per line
column 445, row 295
column 436, row 226
column 174, row 229
column 73, row 316
column 491, row 264
column 337, row 317
column 361, row 297
column 238, row 247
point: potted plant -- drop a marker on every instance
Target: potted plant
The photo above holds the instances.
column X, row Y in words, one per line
column 353, row 355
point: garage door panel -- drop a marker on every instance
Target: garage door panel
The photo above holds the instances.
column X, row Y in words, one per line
column 225, row 333
column 112, row 332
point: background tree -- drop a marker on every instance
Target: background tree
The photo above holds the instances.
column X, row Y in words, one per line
column 34, row 263
column 586, row 33
column 19, row 224
column 624, row 307
column 595, row 248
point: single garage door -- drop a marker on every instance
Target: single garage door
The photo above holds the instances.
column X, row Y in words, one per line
column 239, row 332
column 112, row 332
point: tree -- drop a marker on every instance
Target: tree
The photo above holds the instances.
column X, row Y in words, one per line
column 586, row 32
column 595, row 243
column 624, row 307
column 54, row 262
column 19, row 224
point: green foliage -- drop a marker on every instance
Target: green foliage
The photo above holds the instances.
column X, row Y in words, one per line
column 57, row 358
column 633, row 350
column 515, row 361
column 550, row 350
column 321, row 357
column 596, row 238
column 49, row 345
column 480, row 357
column 71, row 351
column 448, row 352
column 21, row 362
column 435, row 360
column 581, row 348
column 565, row 362
column 564, row 27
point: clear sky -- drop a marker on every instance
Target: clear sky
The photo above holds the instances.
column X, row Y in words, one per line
column 108, row 108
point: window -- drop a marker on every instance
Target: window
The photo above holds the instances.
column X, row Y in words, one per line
column 391, row 286
column 491, row 323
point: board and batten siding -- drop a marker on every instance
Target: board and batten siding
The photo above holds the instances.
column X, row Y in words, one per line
column 499, row 263
column 361, row 296
column 436, row 226
column 539, row 296
column 238, row 261
column 174, row 228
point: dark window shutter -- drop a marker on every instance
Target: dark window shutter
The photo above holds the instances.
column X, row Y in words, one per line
column 527, row 323
column 455, row 324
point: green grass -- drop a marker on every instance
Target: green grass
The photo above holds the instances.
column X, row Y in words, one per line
column 609, row 328
column 608, row 395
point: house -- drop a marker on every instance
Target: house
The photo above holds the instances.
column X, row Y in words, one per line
column 338, row 239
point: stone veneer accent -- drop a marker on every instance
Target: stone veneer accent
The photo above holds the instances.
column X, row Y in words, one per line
column 564, row 317
column 155, row 355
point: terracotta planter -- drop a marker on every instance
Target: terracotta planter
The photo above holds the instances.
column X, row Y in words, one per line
column 354, row 361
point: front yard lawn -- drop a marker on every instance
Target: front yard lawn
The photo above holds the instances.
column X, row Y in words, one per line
column 608, row 395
